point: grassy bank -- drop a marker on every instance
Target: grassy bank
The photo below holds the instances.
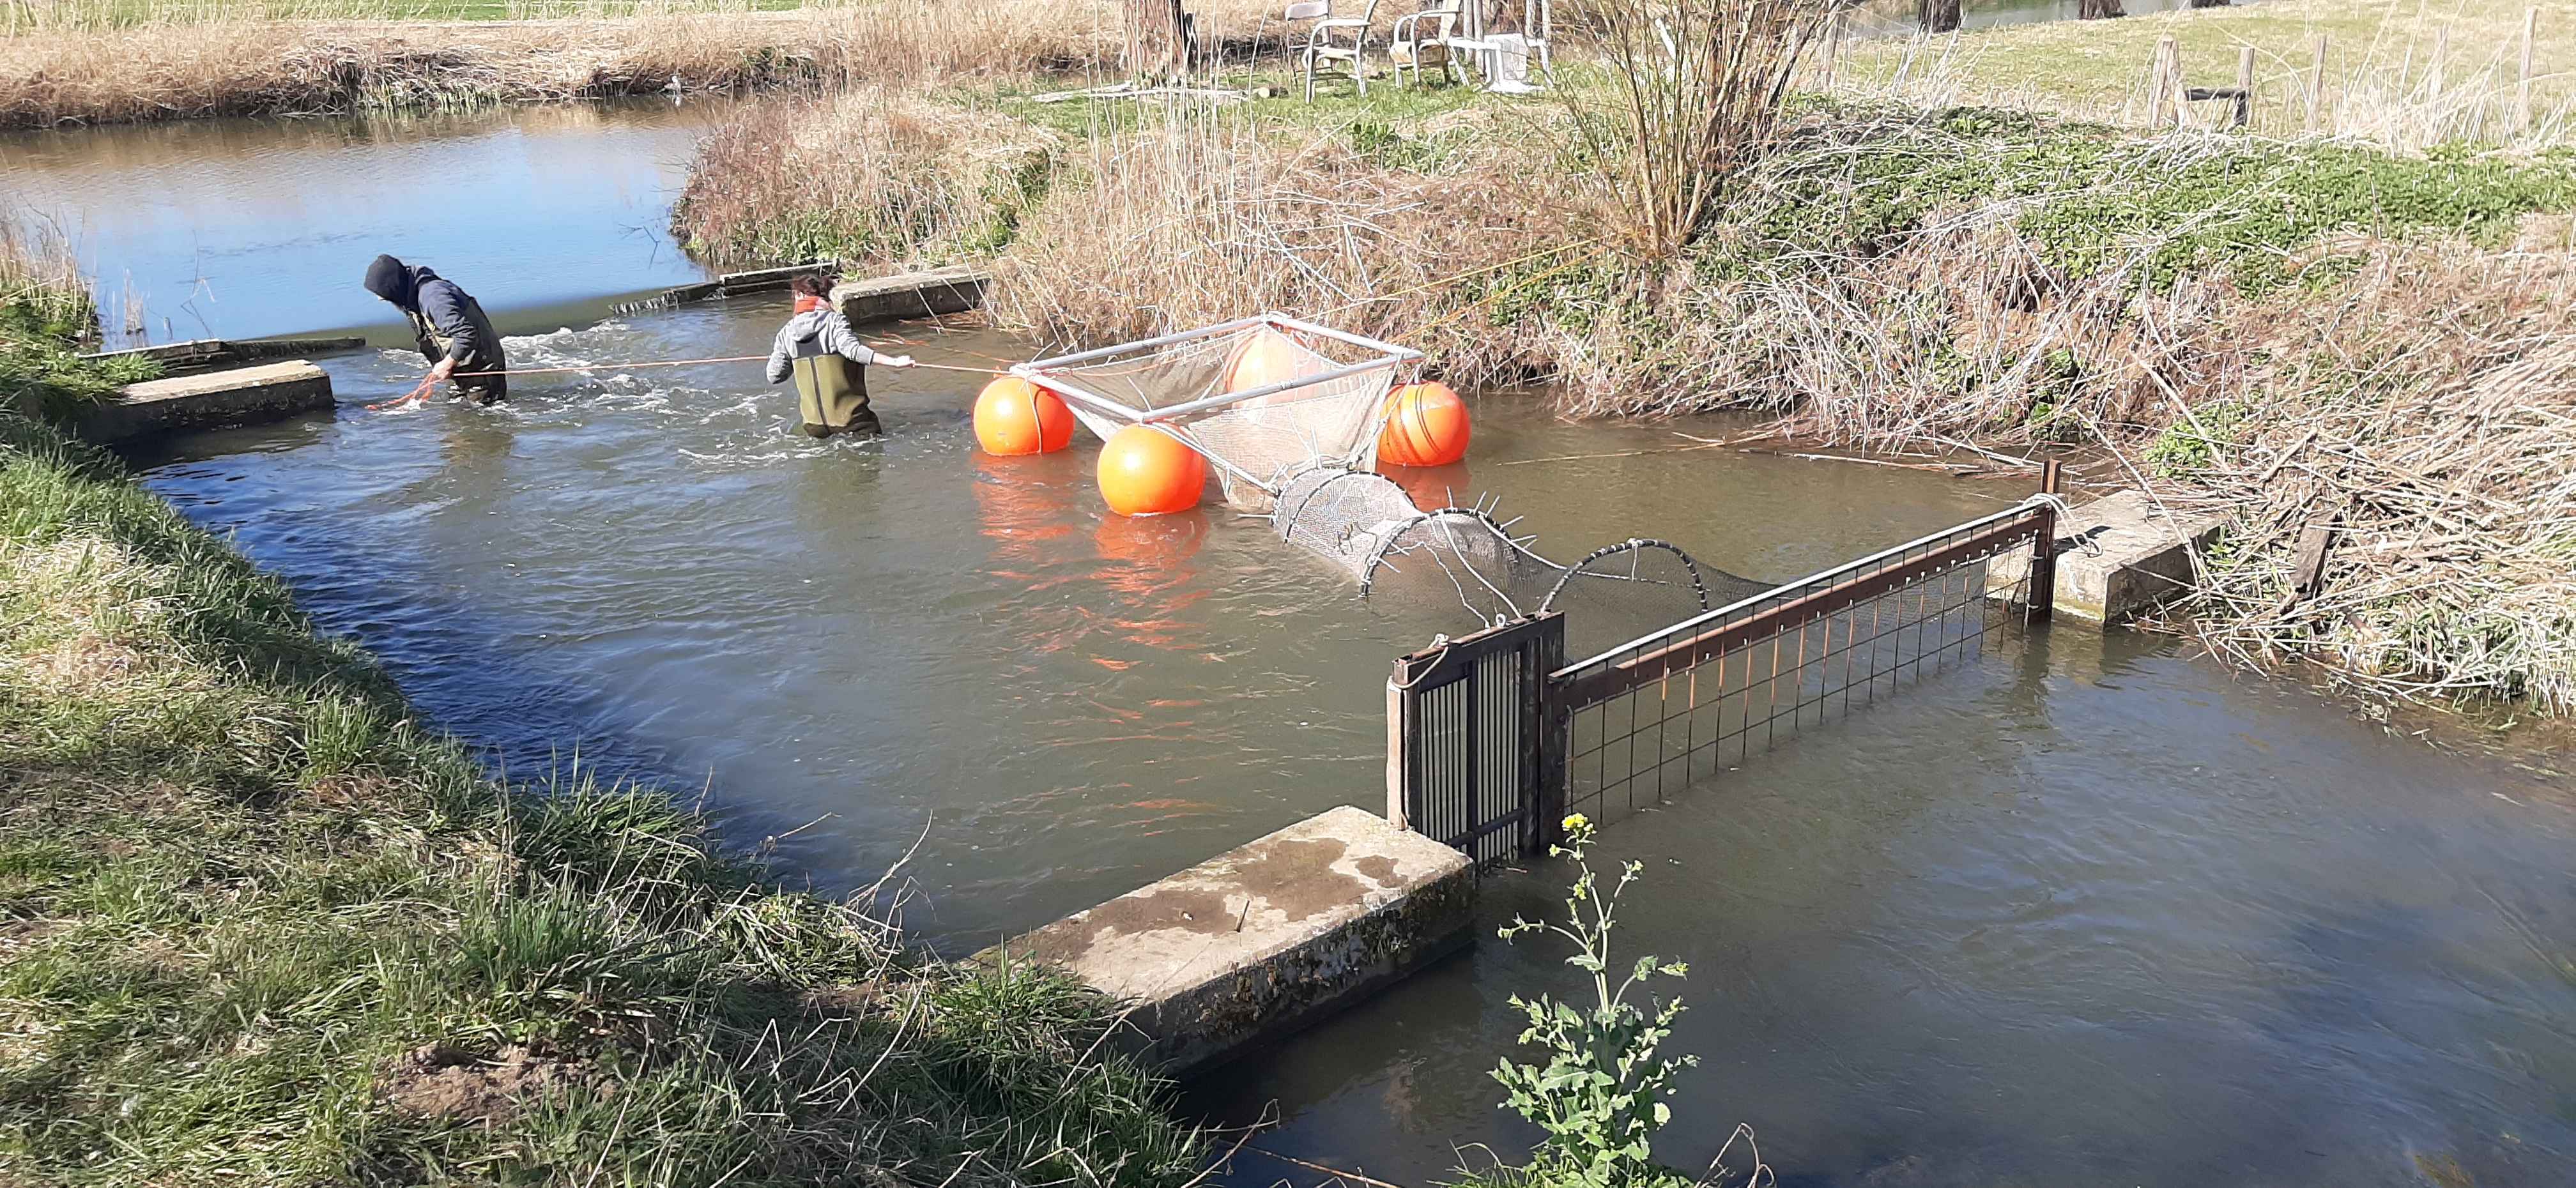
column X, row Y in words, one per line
column 115, row 61
column 2397, row 74
column 1887, row 275
column 257, row 925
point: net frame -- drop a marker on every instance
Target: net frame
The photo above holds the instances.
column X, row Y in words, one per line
column 1062, row 374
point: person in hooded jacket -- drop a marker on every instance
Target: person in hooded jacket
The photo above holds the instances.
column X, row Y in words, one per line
column 449, row 326
column 827, row 361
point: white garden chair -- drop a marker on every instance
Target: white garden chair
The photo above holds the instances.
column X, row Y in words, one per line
column 1425, row 33
column 1324, row 41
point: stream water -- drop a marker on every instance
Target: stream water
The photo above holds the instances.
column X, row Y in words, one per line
column 2087, row 911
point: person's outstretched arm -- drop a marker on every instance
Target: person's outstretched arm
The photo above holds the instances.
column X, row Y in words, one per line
column 782, row 357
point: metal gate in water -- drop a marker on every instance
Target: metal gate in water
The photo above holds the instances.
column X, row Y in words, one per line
column 1470, row 754
column 1492, row 738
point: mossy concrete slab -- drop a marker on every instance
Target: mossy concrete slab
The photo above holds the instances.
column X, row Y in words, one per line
column 2118, row 557
column 240, row 396
column 1266, row 938
column 912, row 294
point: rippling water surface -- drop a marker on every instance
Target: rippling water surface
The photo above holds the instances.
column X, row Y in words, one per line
column 2085, row 912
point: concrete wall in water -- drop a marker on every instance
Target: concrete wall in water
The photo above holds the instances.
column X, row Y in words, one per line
column 1271, row 936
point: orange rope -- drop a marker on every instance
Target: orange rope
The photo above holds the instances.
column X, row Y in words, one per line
column 685, row 363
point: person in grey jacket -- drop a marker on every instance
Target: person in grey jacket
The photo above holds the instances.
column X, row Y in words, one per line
column 817, row 348
column 449, row 326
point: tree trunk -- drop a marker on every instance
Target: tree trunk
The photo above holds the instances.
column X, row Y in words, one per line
column 1156, row 45
column 2094, row 10
column 2209, row 3
column 1938, row 16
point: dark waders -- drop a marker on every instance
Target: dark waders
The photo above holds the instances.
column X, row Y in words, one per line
column 481, row 389
column 832, row 396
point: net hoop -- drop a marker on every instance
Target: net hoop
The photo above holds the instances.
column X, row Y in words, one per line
column 1633, row 545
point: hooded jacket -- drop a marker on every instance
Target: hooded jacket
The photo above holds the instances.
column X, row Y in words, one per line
column 446, row 319
column 815, row 332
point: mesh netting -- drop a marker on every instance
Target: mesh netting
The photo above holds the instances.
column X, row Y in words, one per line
column 1262, row 399
column 1367, row 525
column 1289, row 412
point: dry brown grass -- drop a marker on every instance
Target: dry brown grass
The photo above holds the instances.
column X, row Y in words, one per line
column 2430, row 419
column 1205, row 214
column 911, row 182
column 187, row 62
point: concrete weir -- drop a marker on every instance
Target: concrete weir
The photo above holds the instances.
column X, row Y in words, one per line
column 1265, row 938
column 912, row 294
column 2118, row 557
column 241, row 396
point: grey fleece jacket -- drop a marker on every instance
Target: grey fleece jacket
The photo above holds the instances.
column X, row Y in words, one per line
column 814, row 332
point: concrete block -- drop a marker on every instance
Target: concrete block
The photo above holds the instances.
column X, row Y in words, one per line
column 2118, row 558
column 206, row 354
column 242, row 396
column 912, row 295
column 1268, row 937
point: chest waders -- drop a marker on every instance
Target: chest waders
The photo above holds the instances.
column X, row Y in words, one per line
column 832, row 396
column 485, row 389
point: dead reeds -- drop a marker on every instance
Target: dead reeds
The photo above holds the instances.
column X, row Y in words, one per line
column 2399, row 476
column 1203, row 214
column 871, row 177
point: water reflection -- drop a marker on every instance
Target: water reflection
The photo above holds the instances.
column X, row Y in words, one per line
column 527, row 206
column 2084, row 911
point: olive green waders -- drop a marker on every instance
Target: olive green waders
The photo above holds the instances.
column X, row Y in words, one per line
column 832, row 396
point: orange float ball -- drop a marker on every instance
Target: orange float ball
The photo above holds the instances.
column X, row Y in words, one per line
column 1014, row 417
column 1266, row 358
column 1426, row 425
column 1147, row 472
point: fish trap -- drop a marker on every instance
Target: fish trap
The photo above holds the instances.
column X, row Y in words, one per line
column 1260, row 398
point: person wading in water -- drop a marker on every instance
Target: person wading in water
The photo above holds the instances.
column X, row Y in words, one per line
column 827, row 361
column 449, row 325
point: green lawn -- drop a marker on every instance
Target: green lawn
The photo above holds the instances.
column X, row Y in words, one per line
column 2378, row 80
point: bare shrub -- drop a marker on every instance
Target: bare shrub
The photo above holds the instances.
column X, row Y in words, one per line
column 1694, row 93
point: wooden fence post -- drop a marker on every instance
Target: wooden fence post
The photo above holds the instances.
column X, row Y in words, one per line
column 2245, row 86
column 1937, row 16
column 2317, row 87
column 2522, row 99
column 1834, row 45
column 2164, row 85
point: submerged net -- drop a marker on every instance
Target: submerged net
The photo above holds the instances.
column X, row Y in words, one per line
column 1369, row 527
column 1262, row 398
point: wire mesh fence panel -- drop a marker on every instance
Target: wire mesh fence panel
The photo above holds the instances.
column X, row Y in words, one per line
column 1652, row 716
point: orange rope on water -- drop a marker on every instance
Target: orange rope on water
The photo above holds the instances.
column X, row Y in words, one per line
column 686, row 363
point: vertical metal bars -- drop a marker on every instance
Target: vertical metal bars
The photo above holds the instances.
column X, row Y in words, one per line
column 1468, row 736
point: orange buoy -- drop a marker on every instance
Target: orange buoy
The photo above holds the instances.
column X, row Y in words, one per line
column 1014, row 417
column 1426, row 425
column 1147, row 472
column 1266, row 358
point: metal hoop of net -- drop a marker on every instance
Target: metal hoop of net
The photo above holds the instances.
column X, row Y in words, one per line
column 1261, row 398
